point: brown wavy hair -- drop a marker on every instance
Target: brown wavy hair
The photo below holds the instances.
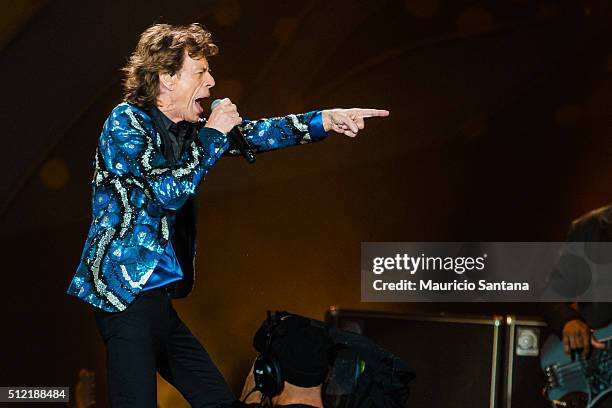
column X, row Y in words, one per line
column 161, row 49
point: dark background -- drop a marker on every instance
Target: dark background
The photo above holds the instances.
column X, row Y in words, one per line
column 499, row 131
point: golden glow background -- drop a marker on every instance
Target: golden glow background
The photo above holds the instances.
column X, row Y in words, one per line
column 499, row 130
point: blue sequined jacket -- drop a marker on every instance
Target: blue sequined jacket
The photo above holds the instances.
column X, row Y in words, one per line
column 137, row 192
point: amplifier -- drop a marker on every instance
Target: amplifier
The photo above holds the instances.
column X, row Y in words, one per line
column 457, row 359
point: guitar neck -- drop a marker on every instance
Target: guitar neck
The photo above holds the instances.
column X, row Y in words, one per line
column 603, row 334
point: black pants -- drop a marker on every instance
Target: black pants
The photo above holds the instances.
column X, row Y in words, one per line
column 147, row 337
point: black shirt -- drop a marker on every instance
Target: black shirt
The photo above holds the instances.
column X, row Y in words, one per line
column 175, row 136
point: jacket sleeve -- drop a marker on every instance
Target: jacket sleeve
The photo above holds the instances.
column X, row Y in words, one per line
column 128, row 150
column 277, row 133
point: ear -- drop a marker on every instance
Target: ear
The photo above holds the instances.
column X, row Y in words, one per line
column 167, row 80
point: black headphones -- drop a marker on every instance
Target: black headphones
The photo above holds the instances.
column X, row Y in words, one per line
column 266, row 370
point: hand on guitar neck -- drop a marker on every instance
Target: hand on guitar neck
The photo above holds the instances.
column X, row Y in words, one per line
column 577, row 335
column 579, row 381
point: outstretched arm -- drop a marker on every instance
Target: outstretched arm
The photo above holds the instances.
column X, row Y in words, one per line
column 276, row 133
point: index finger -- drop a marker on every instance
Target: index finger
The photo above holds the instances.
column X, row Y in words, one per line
column 370, row 113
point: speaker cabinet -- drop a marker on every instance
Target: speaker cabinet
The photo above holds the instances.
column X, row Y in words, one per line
column 457, row 359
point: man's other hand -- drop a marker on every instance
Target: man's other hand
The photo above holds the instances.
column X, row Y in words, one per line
column 349, row 121
column 577, row 335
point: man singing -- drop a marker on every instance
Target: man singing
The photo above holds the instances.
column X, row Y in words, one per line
column 153, row 151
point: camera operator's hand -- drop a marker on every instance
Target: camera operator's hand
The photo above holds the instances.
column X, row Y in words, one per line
column 576, row 335
column 224, row 117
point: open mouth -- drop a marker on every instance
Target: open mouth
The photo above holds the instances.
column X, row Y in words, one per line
column 198, row 103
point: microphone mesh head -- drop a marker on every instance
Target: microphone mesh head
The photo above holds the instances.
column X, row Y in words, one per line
column 214, row 103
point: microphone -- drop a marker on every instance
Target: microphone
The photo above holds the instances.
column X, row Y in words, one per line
column 237, row 138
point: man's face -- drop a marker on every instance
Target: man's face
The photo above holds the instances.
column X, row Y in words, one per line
column 191, row 85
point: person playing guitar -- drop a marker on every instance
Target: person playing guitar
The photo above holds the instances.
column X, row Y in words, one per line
column 585, row 350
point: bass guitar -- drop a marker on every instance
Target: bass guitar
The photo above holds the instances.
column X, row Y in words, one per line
column 576, row 382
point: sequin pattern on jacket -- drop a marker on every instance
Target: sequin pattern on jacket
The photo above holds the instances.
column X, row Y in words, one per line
column 136, row 192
